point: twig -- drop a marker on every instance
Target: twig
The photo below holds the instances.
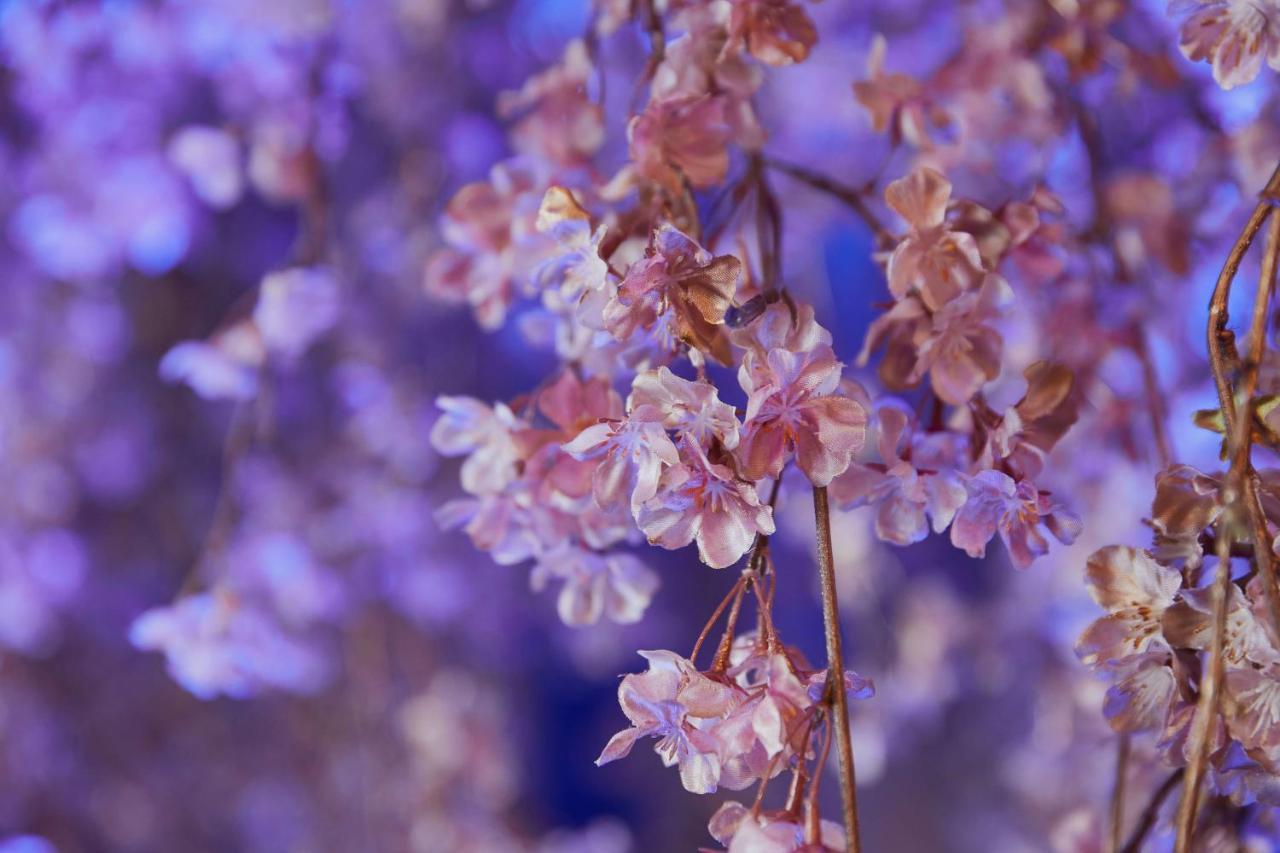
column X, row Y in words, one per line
column 1241, row 462
column 1155, row 402
column 1224, row 360
column 1202, row 726
column 848, row 195
column 835, row 668
column 812, row 825
column 1117, row 792
column 735, row 590
column 1152, row 811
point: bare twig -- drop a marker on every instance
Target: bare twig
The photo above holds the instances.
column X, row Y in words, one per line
column 850, row 196
column 1152, row 811
column 835, row 669
column 1117, row 792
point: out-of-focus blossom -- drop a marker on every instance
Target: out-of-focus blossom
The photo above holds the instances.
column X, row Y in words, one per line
column 1234, row 36
column 898, row 103
column 223, row 368
column 914, row 483
column 777, row 32
column 1015, row 510
column 217, row 643
column 681, row 139
column 618, row 587
column 932, row 261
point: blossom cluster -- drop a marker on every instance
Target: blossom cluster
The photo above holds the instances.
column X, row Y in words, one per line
column 307, row 303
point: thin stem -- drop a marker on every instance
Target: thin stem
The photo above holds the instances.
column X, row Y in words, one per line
column 1241, row 462
column 735, row 590
column 835, row 668
column 726, row 641
column 849, row 196
column 812, row 825
column 1117, row 792
column 1152, row 811
column 1155, row 400
column 1207, row 706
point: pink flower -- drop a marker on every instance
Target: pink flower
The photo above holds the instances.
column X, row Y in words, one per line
column 1143, row 697
column 676, row 703
column 1253, row 709
column 616, row 586
column 734, row 826
column 704, row 501
column 1016, row 510
column 778, row 327
column 912, row 484
column 573, row 404
column 1032, row 426
column 1186, row 503
column 575, row 282
column 630, row 455
column 898, row 103
column 767, row 722
column 792, row 407
column 486, row 435
column 558, row 119
column 1135, row 590
column 489, row 226
column 1189, row 625
column 962, row 352
column 692, row 409
column 1234, row 36
column 776, row 32
column 678, row 292
column 682, row 138
column 932, row 260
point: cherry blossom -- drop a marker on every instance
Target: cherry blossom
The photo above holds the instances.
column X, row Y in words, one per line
column 682, row 138
column 777, row 32
column 692, row 409
column 1015, row 510
column 616, row 586
column 676, row 703
column 705, row 501
column 1136, row 591
column 795, row 409
column 679, row 292
column 898, row 103
column 932, row 260
column 1234, row 36
column 742, row 831
column 913, row 485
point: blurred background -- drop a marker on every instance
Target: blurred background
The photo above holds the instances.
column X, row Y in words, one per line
column 159, row 159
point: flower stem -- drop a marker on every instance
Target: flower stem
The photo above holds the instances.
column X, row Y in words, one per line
column 835, row 669
column 1152, row 811
column 1117, row 792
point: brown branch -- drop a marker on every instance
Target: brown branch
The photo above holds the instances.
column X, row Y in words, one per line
column 1152, row 811
column 1117, row 792
column 1224, row 361
column 1155, row 402
column 851, row 197
column 837, row 695
column 1241, row 462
